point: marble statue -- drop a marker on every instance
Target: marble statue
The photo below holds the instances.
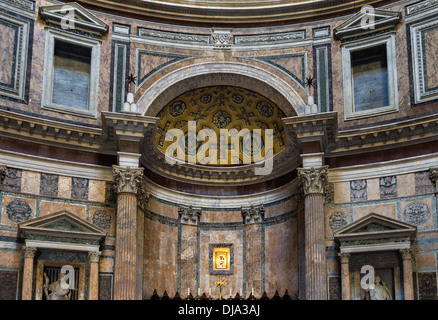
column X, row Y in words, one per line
column 55, row 288
column 380, row 292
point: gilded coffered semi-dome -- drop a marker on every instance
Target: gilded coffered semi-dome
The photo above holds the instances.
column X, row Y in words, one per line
column 216, row 109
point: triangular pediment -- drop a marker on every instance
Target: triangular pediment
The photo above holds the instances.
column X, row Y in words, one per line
column 375, row 226
column 84, row 20
column 367, row 22
column 61, row 224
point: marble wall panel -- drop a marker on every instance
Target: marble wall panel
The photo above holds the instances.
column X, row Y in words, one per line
column 160, row 257
column 105, row 287
column 188, row 258
column 253, row 242
column 423, row 183
column 430, row 44
column 96, row 190
column 64, row 187
column 162, row 208
column 30, row 182
column 341, row 192
column 8, row 283
column 79, row 188
column 281, row 257
column 12, row 181
column 427, row 286
column 221, row 216
column 406, row 185
column 10, row 259
column 388, row 210
column 49, row 185
column 426, row 260
column 8, row 34
column 47, row 207
column 334, row 287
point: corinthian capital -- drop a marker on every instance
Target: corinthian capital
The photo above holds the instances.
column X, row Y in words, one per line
column 29, row 252
column 313, row 180
column 127, row 179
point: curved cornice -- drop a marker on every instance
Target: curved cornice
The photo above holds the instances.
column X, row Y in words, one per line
column 235, row 12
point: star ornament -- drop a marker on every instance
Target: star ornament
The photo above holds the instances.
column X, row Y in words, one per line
column 310, row 81
column 131, row 78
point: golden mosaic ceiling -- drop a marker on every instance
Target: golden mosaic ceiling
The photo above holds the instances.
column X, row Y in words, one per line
column 216, row 108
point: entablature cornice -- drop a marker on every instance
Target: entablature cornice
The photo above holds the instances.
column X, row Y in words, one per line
column 323, row 127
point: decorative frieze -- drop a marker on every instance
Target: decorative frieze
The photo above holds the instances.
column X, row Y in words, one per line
column 189, row 215
column 174, row 36
column 420, row 6
column 128, row 179
column 313, row 180
column 270, row 38
column 253, row 214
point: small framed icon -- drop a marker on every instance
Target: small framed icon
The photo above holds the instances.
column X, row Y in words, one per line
column 221, row 258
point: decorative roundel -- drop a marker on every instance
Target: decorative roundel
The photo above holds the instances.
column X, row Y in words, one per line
column 177, row 108
column 18, row 211
column 238, row 99
column 337, row 220
column 252, row 144
column 206, row 98
column 221, row 119
column 417, row 213
column 265, row 109
column 102, row 219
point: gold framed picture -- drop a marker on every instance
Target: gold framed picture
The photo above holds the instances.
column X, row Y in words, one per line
column 221, row 258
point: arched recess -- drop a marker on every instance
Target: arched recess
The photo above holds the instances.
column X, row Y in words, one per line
column 219, row 73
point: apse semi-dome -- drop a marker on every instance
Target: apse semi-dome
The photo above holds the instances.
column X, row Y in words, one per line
column 217, row 111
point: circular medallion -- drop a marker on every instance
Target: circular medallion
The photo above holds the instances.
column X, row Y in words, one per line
column 221, row 119
column 337, row 220
column 177, row 108
column 18, row 211
column 102, row 219
column 417, row 213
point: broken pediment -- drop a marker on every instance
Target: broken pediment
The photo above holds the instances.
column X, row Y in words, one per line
column 366, row 22
column 375, row 226
column 75, row 17
column 63, row 224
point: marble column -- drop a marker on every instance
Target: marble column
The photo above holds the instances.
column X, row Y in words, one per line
column 29, row 254
column 408, row 282
column 128, row 181
column 313, row 182
column 93, row 291
column 345, row 276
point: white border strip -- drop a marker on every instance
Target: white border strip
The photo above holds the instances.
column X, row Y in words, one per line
column 52, row 166
column 382, row 169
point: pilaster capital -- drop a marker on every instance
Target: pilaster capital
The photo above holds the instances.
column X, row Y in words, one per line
column 94, row 256
column 345, row 257
column 313, row 180
column 434, row 176
column 406, row 254
column 189, row 215
column 29, row 252
column 253, row 214
column 2, row 173
column 127, row 179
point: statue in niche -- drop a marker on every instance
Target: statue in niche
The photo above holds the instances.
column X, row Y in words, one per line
column 57, row 292
column 380, row 292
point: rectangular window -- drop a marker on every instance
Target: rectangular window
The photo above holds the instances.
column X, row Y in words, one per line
column 370, row 78
column 71, row 75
